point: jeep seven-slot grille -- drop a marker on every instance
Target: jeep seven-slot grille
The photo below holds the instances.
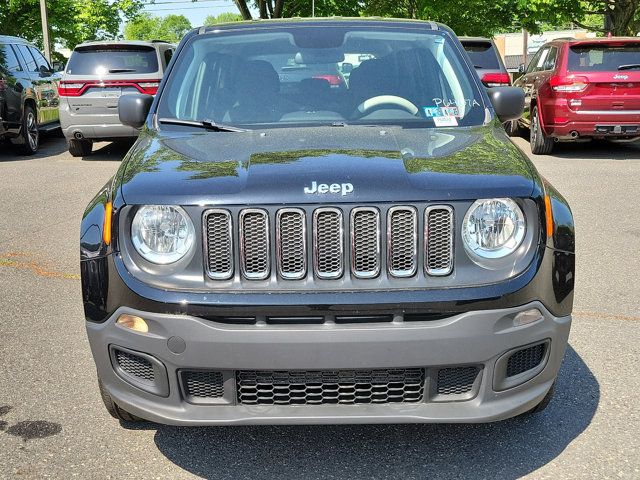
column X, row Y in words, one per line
column 317, row 387
column 334, row 241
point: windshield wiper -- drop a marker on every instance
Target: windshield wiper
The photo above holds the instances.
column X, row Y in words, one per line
column 206, row 124
column 631, row 66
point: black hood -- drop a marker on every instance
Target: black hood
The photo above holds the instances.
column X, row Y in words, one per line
column 349, row 164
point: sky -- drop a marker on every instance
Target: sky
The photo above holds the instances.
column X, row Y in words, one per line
column 194, row 11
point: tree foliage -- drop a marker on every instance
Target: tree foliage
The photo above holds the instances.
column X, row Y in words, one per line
column 222, row 18
column 70, row 21
column 148, row 27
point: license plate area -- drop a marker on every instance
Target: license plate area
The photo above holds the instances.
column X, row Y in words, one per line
column 111, row 92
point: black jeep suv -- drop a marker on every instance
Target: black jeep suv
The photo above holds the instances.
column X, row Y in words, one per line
column 274, row 249
column 28, row 94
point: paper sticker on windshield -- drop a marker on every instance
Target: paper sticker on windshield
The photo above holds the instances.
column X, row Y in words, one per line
column 435, row 112
column 448, row 121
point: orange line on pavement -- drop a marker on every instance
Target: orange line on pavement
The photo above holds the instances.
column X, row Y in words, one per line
column 18, row 260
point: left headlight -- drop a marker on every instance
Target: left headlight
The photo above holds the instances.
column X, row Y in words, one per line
column 162, row 234
column 493, row 228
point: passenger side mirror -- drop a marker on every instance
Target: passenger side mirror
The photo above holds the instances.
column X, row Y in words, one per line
column 508, row 102
column 347, row 68
column 45, row 71
column 134, row 108
column 522, row 68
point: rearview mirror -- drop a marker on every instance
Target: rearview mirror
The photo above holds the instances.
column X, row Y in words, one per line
column 134, row 108
column 508, row 102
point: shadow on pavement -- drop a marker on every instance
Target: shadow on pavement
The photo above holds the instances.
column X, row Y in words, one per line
column 51, row 144
column 114, row 151
column 507, row 449
column 592, row 150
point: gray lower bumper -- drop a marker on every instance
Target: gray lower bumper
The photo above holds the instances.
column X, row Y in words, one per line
column 98, row 126
column 478, row 338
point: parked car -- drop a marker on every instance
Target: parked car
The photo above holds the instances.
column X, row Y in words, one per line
column 97, row 74
column 581, row 89
column 28, row 94
column 487, row 61
column 391, row 258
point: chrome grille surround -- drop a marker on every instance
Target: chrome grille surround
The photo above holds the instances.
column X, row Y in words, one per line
column 217, row 226
column 438, row 240
column 328, row 243
column 291, row 243
column 402, row 241
column 255, row 255
column 365, row 242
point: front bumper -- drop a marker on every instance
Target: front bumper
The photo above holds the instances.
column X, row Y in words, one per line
column 477, row 338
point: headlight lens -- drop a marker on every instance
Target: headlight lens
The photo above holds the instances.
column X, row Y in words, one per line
column 162, row 234
column 493, row 228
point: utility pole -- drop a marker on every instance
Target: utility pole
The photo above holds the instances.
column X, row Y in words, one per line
column 45, row 30
column 313, row 8
column 525, row 46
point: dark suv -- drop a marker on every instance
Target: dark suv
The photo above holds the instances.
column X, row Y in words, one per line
column 581, row 89
column 487, row 61
column 28, row 94
column 389, row 256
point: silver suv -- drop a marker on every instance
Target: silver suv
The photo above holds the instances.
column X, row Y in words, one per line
column 97, row 74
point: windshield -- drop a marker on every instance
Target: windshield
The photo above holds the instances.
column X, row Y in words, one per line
column 322, row 75
column 103, row 59
column 603, row 57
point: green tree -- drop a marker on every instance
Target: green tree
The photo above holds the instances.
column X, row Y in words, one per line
column 222, row 18
column 70, row 21
column 148, row 27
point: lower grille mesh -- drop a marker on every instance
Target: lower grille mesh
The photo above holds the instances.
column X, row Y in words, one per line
column 317, row 387
column 200, row 385
column 456, row 381
column 525, row 359
column 135, row 365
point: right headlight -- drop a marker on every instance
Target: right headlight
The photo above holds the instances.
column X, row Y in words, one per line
column 162, row 234
column 493, row 228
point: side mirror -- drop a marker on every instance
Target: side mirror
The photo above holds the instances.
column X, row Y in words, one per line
column 58, row 66
column 45, row 71
column 508, row 102
column 134, row 108
column 522, row 68
column 347, row 68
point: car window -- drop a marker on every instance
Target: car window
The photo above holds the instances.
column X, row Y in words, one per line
column 8, row 59
column 29, row 61
column 295, row 75
column 534, row 62
column 602, row 57
column 550, row 61
column 39, row 58
column 112, row 59
column 168, row 53
column 482, row 54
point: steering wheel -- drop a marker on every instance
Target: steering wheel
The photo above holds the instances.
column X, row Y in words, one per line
column 376, row 102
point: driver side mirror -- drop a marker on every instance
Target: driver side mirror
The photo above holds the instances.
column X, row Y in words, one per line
column 522, row 68
column 508, row 102
column 45, row 71
column 134, row 108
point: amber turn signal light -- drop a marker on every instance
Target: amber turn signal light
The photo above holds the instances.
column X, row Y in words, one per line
column 548, row 215
column 133, row 322
column 106, row 228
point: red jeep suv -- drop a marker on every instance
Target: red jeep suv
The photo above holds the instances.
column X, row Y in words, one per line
column 581, row 89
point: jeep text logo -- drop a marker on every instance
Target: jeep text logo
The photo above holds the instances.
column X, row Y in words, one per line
column 619, row 76
column 343, row 188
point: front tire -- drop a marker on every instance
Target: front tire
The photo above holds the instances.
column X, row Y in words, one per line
column 540, row 143
column 512, row 128
column 80, row 148
column 28, row 141
column 114, row 410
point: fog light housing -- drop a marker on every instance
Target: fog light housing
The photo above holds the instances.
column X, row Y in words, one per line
column 526, row 317
column 133, row 322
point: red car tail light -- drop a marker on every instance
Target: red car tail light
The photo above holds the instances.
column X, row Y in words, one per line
column 150, row 88
column 71, row 89
column 570, row 84
column 334, row 80
column 496, row 79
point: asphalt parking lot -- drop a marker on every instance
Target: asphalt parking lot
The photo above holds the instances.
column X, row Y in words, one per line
column 53, row 424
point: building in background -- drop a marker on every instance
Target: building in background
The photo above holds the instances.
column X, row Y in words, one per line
column 511, row 45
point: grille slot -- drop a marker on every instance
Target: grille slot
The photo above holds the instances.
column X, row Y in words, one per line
column 219, row 244
column 135, row 366
column 438, row 234
column 457, row 380
column 291, row 240
column 255, row 260
column 525, row 359
column 202, row 385
column 317, row 387
column 402, row 238
column 365, row 242
column 328, row 243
